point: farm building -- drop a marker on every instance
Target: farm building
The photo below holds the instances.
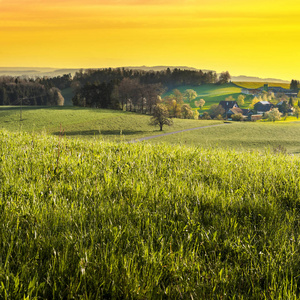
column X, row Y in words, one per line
column 228, row 104
column 251, row 91
column 263, row 106
column 236, row 110
column 256, row 117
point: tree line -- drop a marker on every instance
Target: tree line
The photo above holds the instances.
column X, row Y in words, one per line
column 127, row 94
column 135, row 90
column 14, row 91
column 168, row 78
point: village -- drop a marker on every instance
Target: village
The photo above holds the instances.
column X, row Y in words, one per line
column 265, row 99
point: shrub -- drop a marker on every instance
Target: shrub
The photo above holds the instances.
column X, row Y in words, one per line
column 218, row 117
column 206, row 116
column 273, row 115
column 237, row 117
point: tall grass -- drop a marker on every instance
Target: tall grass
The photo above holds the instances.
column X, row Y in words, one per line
column 91, row 220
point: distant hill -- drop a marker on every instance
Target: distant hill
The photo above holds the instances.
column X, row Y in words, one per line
column 257, row 79
column 161, row 68
column 35, row 72
column 53, row 72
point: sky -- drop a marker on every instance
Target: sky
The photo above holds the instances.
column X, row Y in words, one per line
column 254, row 38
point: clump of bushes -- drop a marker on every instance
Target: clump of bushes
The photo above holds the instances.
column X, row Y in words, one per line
column 237, row 117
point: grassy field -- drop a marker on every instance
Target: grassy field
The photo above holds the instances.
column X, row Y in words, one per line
column 97, row 220
column 211, row 93
column 242, row 136
column 87, row 123
column 256, row 85
column 124, row 126
column 68, row 94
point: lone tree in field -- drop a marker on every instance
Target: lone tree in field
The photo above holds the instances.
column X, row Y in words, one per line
column 161, row 116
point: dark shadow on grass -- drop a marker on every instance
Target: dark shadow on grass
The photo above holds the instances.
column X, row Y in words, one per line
column 97, row 133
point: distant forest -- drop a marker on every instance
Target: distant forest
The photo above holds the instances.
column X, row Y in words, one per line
column 16, row 91
column 104, row 88
column 136, row 90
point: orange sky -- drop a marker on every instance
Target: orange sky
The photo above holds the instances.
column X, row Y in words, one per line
column 257, row 37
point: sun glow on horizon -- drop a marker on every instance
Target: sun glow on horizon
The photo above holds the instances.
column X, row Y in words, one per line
column 257, row 39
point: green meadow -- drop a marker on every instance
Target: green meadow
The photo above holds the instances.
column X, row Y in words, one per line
column 111, row 125
column 205, row 214
column 87, row 123
column 68, row 94
column 211, row 93
column 86, row 219
column 242, row 136
column 256, row 85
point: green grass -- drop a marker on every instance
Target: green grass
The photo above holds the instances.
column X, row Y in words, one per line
column 97, row 220
column 211, row 93
column 68, row 94
column 112, row 125
column 256, row 85
column 87, row 123
column 242, row 136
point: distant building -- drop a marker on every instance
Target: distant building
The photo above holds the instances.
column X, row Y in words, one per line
column 236, row 110
column 228, row 104
column 256, row 117
column 263, row 106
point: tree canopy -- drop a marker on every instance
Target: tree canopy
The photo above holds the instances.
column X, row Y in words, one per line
column 161, row 116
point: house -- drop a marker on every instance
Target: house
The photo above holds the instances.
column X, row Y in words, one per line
column 287, row 92
column 228, row 105
column 236, row 110
column 251, row 91
column 256, row 117
column 263, row 106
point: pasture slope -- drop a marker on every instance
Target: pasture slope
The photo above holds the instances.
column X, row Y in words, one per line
column 213, row 94
column 86, row 219
column 110, row 125
column 256, row 85
column 246, row 136
column 87, row 123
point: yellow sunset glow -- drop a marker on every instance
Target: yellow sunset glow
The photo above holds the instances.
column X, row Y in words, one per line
column 256, row 38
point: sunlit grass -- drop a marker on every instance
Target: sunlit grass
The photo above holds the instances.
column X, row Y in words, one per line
column 256, row 85
column 102, row 220
column 87, row 123
column 242, row 136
